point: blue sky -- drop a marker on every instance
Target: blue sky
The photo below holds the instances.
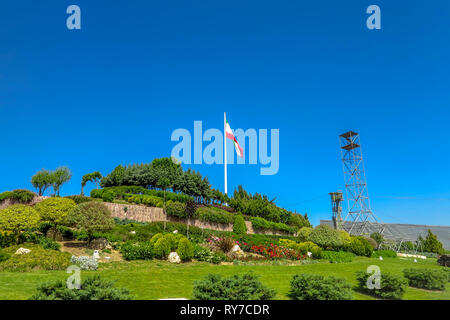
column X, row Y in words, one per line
column 114, row 91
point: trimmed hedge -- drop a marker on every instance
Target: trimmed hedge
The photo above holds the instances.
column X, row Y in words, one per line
column 176, row 209
column 212, row 214
column 318, row 287
column 239, row 226
column 19, row 195
column 360, row 246
column 426, row 278
column 151, row 201
column 384, row 254
column 337, row 256
column 263, row 224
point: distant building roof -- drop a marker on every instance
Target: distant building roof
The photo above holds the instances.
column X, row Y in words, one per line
column 412, row 231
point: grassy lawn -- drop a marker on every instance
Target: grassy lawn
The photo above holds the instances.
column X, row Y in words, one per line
column 160, row 279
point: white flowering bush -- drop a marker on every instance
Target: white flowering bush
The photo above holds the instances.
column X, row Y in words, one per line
column 85, row 262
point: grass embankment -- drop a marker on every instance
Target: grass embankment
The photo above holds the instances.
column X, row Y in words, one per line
column 160, row 279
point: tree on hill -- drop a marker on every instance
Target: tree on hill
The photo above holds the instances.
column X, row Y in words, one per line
column 60, row 176
column 54, row 210
column 432, row 244
column 93, row 177
column 42, row 180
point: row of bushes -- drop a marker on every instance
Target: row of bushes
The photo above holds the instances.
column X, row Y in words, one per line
column 110, row 194
column 159, row 246
column 19, row 195
column 263, row 224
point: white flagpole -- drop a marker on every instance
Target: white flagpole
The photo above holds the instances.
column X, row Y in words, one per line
column 225, row 147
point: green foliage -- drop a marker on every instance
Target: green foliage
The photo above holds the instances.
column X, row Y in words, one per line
column 345, row 238
column 60, row 176
column 17, row 218
column 298, row 221
column 426, row 278
column 318, row 287
column 19, row 195
column 372, row 242
column 38, row 258
column 325, row 237
column 236, row 287
column 97, row 193
column 108, row 196
column 207, row 255
column 90, row 217
column 305, row 247
column 48, row 243
column 42, row 180
column 176, row 209
column 213, row 214
column 263, row 224
column 79, row 198
column 93, row 177
column 162, row 247
column 303, row 233
column 151, row 201
column 185, row 249
column 239, row 226
column 155, row 238
column 54, row 210
column 391, row 286
column 361, row 247
column 137, row 250
column 4, row 256
column 378, row 237
column 337, row 256
column 91, row 288
column 432, row 244
column 384, row 254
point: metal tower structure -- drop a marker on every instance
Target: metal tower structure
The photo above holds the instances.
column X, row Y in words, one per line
column 359, row 219
column 336, row 207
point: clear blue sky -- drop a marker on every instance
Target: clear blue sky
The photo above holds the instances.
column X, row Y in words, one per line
column 114, row 91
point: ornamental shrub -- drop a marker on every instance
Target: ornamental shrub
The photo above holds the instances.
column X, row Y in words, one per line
column 37, row 258
column 185, row 249
column 337, row 256
column 155, row 238
column 372, row 242
column 17, row 218
column 97, row 193
column 325, row 237
column 236, row 287
column 212, row 214
column 384, row 254
column 54, row 210
column 20, row 195
column 305, row 247
column 7, row 239
column 360, row 246
column 207, row 255
column 176, row 209
column 432, row 244
column 225, row 244
column 91, row 288
column 345, row 238
column 172, row 240
column 239, row 226
column 85, row 262
column 137, row 250
column 391, row 286
column 108, row 196
column 162, row 248
column 4, row 256
column 426, row 278
column 304, row 233
column 317, row 287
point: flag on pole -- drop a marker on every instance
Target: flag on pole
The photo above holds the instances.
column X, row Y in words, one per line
column 230, row 135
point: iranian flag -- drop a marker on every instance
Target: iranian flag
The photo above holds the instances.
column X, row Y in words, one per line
column 230, row 135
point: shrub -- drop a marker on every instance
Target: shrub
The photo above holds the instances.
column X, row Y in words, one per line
column 303, row 233
column 176, row 209
column 155, row 238
column 7, row 239
column 4, row 256
column 426, row 278
column 361, row 247
column 391, row 286
column 48, row 243
column 162, row 247
column 384, row 254
column 54, row 210
column 317, row 287
column 215, row 215
column 378, row 237
column 325, row 237
column 263, row 224
column 108, row 196
column 37, row 258
column 305, row 247
column 19, row 195
column 372, row 242
column 345, row 237
column 337, row 256
column 91, row 217
column 85, row 262
column 236, row 287
column 92, row 288
column 17, row 218
column 97, row 193
column 185, row 249
column 207, row 255
column 172, row 240
column 79, row 198
column 225, row 244
column 137, row 251
column 239, row 226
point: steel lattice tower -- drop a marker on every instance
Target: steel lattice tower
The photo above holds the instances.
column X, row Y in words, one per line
column 359, row 219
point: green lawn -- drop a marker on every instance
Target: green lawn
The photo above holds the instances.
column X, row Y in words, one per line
column 160, row 279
